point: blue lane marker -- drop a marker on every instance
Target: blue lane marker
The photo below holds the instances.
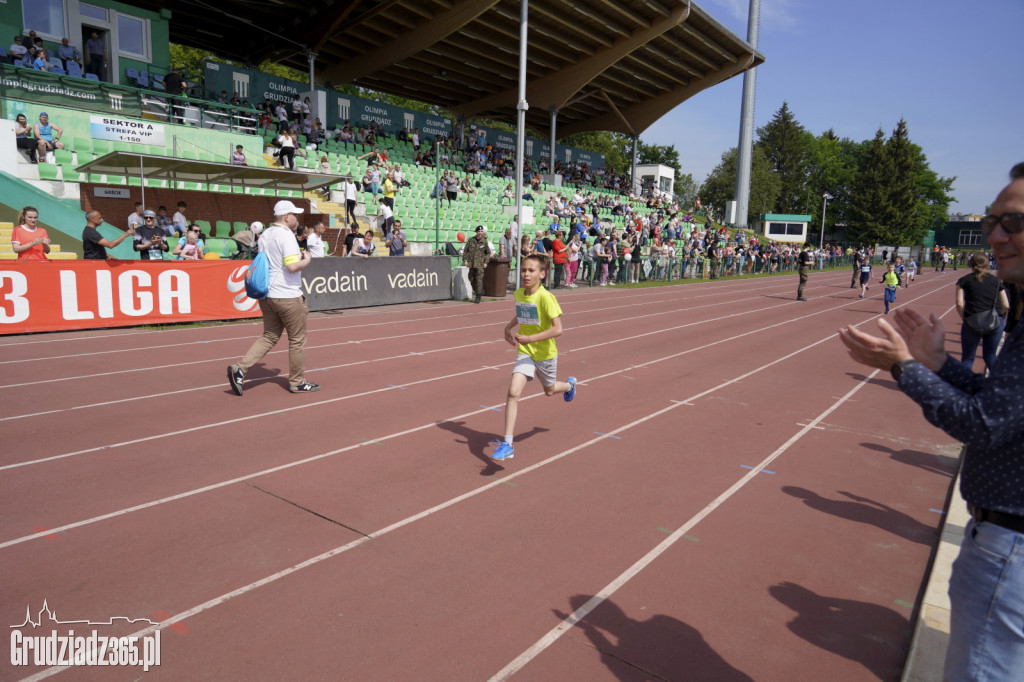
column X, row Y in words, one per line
column 488, row 407
column 763, row 471
column 396, row 386
column 607, row 434
column 937, row 511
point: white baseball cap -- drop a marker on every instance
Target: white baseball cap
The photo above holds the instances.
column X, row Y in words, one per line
column 256, row 227
column 284, row 207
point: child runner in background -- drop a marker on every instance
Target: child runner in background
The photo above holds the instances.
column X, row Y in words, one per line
column 911, row 272
column 865, row 274
column 892, row 284
column 901, row 271
column 540, row 320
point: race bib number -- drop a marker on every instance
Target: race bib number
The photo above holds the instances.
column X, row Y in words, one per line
column 527, row 313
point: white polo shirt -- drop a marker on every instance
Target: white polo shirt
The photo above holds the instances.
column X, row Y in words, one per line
column 281, row 247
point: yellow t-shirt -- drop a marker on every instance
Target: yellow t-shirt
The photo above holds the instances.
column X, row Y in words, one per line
column 534, row 314
column 891, row 280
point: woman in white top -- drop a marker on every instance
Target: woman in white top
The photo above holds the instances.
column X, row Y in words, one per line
column 574, row 260
column 287, row 152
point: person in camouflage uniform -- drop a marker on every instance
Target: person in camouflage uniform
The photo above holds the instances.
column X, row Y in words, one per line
column 475, row 255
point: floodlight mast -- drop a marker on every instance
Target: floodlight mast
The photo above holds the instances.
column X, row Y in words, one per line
column 521, row 107
column 743, row 152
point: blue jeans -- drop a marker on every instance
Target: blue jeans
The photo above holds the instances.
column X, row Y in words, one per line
column 986, row 640
column 969, row 345
column 889, row 296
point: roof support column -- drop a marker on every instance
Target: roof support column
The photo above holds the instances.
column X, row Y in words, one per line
column 745, row 148
column 521, row 107
column 551, row 152
column 311, row 56
column 633, row 184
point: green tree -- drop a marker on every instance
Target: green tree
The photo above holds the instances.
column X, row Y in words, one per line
column 869, row 202
column 904, row 220
column 686, row 189
column 832, row 166
column 720, row 185
column 603, row 142
column 785, row 144
column 934, row 192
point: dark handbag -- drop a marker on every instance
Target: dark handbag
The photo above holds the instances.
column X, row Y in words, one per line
column 984, row 323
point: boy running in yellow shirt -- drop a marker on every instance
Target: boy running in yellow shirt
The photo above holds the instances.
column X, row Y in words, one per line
column 540, row 320
column 892, row 283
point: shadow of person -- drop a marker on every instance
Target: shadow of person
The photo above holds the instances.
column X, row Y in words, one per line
column 261, row 374
column 658, row 648
column 864, row 510
column 478, row 441
column 874, row 636
column 937, row 463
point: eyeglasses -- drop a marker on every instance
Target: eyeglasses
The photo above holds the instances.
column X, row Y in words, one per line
column 1012, row 223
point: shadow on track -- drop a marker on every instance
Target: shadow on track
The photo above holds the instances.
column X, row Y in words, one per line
column 477, row 441
column 864, row 510
column 872, row 635
column 658, row 648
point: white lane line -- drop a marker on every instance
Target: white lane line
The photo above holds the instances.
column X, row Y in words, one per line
column 381, row 338
column 245, row 589
column 180, row 344
column 516, row 664
column 252, row 382
column 322, row 402
column 246, row 477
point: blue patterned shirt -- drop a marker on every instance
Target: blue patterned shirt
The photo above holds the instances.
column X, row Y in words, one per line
column 987, row 414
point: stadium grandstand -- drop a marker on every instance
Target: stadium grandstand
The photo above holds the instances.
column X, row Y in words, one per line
column 127, row 133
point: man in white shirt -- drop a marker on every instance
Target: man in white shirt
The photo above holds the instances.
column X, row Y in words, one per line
column 284, row 308
column 135, row 217
column 178, row 221
column 315, row 240
column 363, row 247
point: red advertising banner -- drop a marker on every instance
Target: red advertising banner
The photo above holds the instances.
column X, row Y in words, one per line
column 86, row 294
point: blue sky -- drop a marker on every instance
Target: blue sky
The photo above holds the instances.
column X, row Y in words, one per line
column 953, row 70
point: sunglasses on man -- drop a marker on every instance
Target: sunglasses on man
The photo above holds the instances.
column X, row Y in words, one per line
column 1012, row 223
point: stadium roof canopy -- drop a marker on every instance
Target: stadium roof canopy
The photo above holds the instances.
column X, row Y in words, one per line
column 172, row 169
column 616, row 65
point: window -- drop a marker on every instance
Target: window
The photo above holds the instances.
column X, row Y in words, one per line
column 133, row 37
column 240, row 84
column 45, row 17
column 970, row 238
column 343, row 108
column 790, row 229
column 93, row 12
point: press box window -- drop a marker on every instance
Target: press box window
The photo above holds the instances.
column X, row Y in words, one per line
column 133, row 37
column 46, row 17
column 792, row 229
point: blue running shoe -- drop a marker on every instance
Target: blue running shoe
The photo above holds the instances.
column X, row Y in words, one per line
column 571, row 393
column 504, row 451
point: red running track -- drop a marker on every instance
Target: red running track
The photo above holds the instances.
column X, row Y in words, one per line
column 729, row 497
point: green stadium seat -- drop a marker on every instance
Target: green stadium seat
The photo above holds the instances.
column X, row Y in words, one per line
column 48, row 171
column 223, row 228
column 71, row 175
column 101, row 147
column 81, row 145
column 63, row 156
